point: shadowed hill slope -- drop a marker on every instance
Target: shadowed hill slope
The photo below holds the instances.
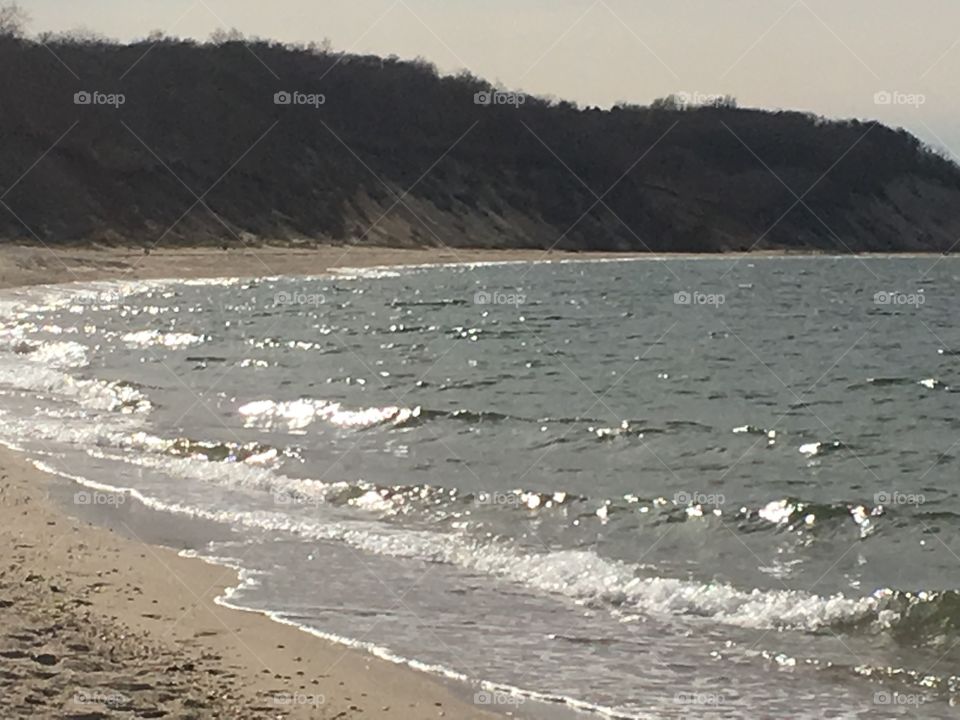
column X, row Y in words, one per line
column 199, row 151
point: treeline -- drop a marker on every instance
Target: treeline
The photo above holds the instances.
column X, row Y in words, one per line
column 237, row 140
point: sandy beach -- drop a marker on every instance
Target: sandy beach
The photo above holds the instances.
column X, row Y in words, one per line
column 38, row 265
column 106, row 620
column 97, row 624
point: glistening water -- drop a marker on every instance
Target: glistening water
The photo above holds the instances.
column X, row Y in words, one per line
column 654, row 488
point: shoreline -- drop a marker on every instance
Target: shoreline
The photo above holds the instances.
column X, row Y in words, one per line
column 27, row 265
column 97, row 623
column 22, row 265
column 172, row 646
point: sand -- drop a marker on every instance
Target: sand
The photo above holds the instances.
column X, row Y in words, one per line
column 96, row 624
column 39, row 265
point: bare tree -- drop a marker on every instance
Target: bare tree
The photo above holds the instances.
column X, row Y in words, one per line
column 81, row 36
column 13, row 20
column 221, row 36
column 670, row 102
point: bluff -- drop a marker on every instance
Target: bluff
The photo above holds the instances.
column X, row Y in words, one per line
column 174, row 142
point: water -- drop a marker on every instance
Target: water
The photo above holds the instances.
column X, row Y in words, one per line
column 562, row 481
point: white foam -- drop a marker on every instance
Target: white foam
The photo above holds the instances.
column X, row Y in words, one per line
column 245, row 475
column 76, row 296
column 299, row 414
column 371, row 273
column 149, row 338
column 60, row 355
column 581, row 575
column 92, row 394
column 248, row 579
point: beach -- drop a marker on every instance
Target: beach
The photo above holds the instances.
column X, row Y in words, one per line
column 97, row 623
column 346, row 483
column 42, row 265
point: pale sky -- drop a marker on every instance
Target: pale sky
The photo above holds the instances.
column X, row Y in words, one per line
column 826, row 56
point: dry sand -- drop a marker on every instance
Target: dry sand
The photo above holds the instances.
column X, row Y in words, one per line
column 95, row 625
column 38, row 265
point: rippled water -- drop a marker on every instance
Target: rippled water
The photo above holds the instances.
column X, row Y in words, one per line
column 649, row 488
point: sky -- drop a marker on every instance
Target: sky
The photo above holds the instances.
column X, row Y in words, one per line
column 891, row 60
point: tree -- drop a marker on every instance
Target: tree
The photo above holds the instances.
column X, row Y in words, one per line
column 726, row 102
column 221, row 36
column 324, row 47
column 157, row 37
column 81, row 36
column 13, row 20
column 670, row 102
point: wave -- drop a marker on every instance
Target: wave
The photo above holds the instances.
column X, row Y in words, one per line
column 75, row 297
column 254, row 466
column 915, row 618
column 61, row 355
column 507, row 695
column 111, row 396
column 929, row 383
column 822, row 447
column 297, row 415
column 149, row 338
column 581, row 575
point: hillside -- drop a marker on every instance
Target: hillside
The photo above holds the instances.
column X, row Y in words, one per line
column 200, row 151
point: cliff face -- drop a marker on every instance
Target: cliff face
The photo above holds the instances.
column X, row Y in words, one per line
column 184, row 143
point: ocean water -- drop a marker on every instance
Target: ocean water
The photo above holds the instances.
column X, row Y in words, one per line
column 634, row 489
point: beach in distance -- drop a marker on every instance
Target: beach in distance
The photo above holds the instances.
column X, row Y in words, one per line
column 38, row 265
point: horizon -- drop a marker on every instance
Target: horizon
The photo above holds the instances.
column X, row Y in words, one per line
column 873, row 61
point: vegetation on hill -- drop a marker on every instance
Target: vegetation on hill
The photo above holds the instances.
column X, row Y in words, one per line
column 174, row 141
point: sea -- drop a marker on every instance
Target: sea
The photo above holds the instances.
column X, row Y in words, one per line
column 650, row 488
